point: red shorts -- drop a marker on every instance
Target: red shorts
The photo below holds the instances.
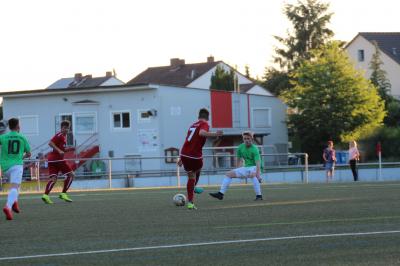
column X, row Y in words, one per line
column 57, row 167
column 191, row 165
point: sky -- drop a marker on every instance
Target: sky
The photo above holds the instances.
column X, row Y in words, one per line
column 45, row 40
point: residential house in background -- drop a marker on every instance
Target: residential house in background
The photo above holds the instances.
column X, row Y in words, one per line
column 361, row 49
column 150, row 117
column 86, row 81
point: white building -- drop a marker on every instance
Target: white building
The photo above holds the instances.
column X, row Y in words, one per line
column 148, row 119
column 361, row 49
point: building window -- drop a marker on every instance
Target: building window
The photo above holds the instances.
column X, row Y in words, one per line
column 171, row 155
column 145, row 115
column 261, row 117
column 85, row 123
column 29, row 125
column 361, row 56
column 121, row 120
column 68, row 117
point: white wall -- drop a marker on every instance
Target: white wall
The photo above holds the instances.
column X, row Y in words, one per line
column 389, row 65
column 176, row 109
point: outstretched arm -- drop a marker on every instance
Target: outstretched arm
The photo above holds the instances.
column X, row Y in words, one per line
column 207, row 134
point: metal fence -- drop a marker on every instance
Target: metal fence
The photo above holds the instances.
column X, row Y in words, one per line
column 36, row 170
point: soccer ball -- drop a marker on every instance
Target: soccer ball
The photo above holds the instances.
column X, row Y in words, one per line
column 179, row 200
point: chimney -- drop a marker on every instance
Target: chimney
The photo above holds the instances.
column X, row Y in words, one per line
column 210, row 59
column 109, row 74
column 78, row 77
column 175, row 62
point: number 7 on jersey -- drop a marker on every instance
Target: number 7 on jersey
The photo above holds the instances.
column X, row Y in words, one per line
column 192, row 130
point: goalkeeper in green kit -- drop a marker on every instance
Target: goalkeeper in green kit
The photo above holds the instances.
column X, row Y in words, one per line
column 14, row 148
column 249, row 166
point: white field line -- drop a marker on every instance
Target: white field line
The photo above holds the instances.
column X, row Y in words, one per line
column 161, row 190
column 199, row 244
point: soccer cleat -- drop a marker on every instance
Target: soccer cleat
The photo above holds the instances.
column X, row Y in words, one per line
column 198, row 190
column 191, row 206
column 65, row 197
column 217, row 195
column 258, row 197
column 15, row 207
column 8, row 213
column 46, row 199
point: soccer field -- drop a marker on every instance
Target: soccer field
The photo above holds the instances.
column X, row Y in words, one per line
column 303, row 224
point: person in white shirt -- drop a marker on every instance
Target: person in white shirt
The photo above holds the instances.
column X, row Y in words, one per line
column 354, row 156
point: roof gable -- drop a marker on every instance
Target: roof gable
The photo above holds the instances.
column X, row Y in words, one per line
column 180, row 75
column 87, row 81
column 388, row 42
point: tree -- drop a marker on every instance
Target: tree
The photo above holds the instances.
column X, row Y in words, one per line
column 247, row 71
column 223, row 80
column 309, row 19
column 275, row 81
column 378, row 75
column 331, row 101
column 381, row 82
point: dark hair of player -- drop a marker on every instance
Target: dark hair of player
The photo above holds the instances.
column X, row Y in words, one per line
column 65, row 123
column 13, row 123
column 204, row 114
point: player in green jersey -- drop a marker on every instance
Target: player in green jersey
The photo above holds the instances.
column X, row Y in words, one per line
column 249, row 166
column 14, row 148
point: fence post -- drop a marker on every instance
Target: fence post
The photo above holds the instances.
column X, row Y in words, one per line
column 37, row 173
column 306, row 167
column 109, row 173
column 178, row 175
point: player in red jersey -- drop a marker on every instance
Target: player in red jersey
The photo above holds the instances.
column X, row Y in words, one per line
column 57, row 164
column 191, row 155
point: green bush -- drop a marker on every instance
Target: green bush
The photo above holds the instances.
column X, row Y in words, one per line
column 390, row 143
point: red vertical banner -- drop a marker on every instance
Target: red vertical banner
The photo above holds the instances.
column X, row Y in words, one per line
column 221, row 109
column 378, row 148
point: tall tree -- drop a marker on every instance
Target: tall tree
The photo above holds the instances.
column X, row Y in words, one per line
column 378, row 75
column 309, row 19
column 331, row 101
column 381, row 82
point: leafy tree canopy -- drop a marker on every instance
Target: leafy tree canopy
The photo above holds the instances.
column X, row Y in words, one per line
column 309, row 19
column 223, row 80
column 331, row 100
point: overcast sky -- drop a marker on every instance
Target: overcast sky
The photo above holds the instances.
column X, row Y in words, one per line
column 45, row 40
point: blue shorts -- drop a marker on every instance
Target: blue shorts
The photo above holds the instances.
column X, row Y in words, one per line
column 329, row 166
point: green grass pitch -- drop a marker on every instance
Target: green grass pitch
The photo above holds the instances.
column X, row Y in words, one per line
column 298, row 224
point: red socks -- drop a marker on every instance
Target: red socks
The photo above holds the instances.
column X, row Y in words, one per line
column 190, row 188
column 67, row 183
column 49, row 186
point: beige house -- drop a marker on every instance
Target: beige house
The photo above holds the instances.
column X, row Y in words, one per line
column 361, row 49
